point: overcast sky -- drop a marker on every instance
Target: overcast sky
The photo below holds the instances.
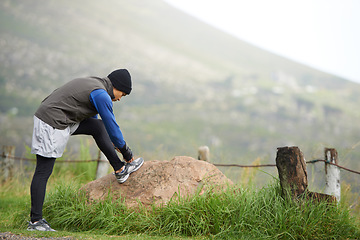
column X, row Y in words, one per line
column 324, row 34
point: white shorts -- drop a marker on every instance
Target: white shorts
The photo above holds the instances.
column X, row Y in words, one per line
column 48, row 141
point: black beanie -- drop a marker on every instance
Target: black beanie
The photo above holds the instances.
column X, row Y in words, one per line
column 121, row 80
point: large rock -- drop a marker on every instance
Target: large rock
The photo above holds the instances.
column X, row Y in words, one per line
column 158, row 181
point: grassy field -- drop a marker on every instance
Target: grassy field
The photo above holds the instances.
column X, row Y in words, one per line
column 238, row 212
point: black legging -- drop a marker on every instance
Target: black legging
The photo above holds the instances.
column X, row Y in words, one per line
column 43, row 170
column 44, row 166
column 96, row 128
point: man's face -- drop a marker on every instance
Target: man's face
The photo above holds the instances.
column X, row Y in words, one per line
column 118, row 95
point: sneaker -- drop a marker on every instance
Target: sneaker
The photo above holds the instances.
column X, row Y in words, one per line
column 129, row 168
column 41, row 225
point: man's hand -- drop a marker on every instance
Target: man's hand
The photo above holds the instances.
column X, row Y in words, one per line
column 130, row 160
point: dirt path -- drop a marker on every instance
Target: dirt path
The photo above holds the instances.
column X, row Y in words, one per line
column 9, row 235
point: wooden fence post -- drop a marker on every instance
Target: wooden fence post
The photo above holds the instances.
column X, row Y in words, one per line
column 7, row 162
column 292, row 170
column 204, row 153
column 102, row 166
column 332, row 173
column 291, row 166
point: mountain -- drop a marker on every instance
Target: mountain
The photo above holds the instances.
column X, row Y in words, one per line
column 193, row 84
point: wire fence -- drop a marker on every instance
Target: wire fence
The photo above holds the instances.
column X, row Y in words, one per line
column 58, row 161
column 216, row 164
column 274, row 165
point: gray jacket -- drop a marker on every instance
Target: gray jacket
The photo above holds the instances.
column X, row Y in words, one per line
column 70, row 103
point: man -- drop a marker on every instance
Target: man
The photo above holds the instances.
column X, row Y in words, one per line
column 71, row 110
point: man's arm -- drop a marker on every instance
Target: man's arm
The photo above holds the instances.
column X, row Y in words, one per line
column 103, row 104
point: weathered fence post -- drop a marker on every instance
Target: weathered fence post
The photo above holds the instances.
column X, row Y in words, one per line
column 7, row 162
column 291, row 166
column 292, row 170
column 332, row 173
column 102, row 166
column 204, row 153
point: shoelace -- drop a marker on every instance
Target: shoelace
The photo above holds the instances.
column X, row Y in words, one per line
column 44, row 221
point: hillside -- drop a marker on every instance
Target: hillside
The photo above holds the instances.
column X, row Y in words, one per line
column 193, row 84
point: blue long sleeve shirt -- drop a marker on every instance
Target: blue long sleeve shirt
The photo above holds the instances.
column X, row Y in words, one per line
column 104, row 106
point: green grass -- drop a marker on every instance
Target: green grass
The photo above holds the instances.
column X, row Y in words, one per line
column 235, row 213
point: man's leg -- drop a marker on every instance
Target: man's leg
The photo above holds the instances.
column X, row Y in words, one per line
column 44, row 168
column 95, row 127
